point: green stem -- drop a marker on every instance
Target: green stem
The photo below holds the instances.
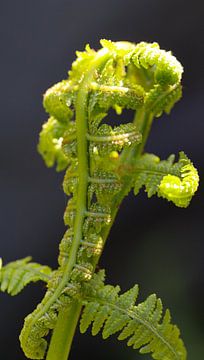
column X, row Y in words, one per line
column 63, row 333
column 66, row 325
column 83, row 165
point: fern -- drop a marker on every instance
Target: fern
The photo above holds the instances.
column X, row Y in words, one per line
column 142, row 324
column 102, row 164
column 159, row 100
column 17, row 274
column 176, row 182
column 180, row 190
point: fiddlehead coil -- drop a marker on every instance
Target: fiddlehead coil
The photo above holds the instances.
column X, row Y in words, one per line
column 176, row 182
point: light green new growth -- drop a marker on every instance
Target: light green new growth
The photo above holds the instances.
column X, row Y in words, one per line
column 17, row 274
column 180, row 190
column 50, row 144
column 103, row 163
column 176, row 182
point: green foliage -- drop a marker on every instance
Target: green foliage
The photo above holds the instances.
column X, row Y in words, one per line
column 180, row 190
column 17, row 274
column 167, row 70
column 103, row 163
column 143, row 324
column 58, row 100
column 50, row 144
column 159, row 100
column 176, row 182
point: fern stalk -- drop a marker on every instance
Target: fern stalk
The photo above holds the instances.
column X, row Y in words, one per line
column 82, row 128
column 63, row 333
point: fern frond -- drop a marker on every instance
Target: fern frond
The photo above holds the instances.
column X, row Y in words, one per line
column 50, row 143
column 80, row 65
column 58, row 99
column 108, row 139
column 180, row 190
column 176, row 182
column 121, row 75
column 142, row 324
column 113, row 96
column 17, row 274
column 159, row 100
column 166, row 67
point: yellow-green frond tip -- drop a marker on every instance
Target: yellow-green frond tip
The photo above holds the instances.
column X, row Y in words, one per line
column 180, row 190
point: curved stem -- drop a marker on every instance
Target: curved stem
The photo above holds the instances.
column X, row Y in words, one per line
column 83, row 165
column 66, row 324
column 63, row 333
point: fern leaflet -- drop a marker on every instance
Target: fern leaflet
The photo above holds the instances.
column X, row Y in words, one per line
column 176, row 182
column 142, row 324
column 17, row 274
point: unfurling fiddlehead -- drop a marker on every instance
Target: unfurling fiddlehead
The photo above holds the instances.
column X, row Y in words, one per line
column 176, row 182
column 102, row 164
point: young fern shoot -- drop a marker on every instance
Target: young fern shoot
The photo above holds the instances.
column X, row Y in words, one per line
column 103, row 164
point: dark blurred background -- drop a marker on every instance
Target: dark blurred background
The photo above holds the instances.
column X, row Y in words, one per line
column 152, row 243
